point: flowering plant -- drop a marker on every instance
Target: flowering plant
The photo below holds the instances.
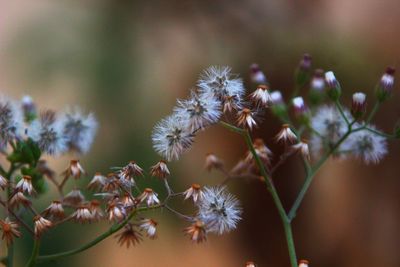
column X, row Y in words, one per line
column 219, row 98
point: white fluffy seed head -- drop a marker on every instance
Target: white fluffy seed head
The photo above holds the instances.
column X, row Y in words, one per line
column 172, row 137
column 11, row 121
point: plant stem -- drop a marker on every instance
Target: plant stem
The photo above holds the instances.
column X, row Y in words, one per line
column 35, row 252
column 340, row 108
column 373, row 112
column 271, row 188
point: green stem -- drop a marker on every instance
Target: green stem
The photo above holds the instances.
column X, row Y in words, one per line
column 340, row 108
column 35, row 253
column 109, row 232
column 373, row 112
column 271, row 188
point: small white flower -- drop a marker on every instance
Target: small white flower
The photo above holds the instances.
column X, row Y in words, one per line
column 83, row 215
column 250, row 264
column 246, row 118
column 387, row 80
column 303, row 263
column 219, row 210
column 286, row 135
column 194, row 192
column 261, row 95
column 299, row 105
column 256, row 75
column 318, row 81
column 302, row 147
column 55, row 210
column 80, row 130
column 172, row 137
column 276, row 98
column 150, row 226
column 200, row 110
column 149, row 196
column 331, row 79
column 25, row 185
column 359, row 98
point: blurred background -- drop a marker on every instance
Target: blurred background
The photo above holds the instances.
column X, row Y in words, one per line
column 128, row 61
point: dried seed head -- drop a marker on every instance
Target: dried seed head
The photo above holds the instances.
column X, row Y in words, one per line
column 116, row 211
column 302, row 147
column 150, row 226
column 160, row 170
column 261, row 95
column 286, row 135
column 95, row 209
column 41, row 225
column 83, row 214
column 10, row 231
column 55, row 210
column 129, row 236
column 3, row 182
column 246, row 119
column 212, row 162
column 194, row 192
column 250, row 264
column 18, row 199
column 74, row 198
column 97, row 182
column 303, row 263
column 74, row 170
column 25, row 185
column 149, row 196
column 197, row 232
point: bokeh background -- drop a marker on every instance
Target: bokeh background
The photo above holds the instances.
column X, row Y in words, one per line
column 128, row 61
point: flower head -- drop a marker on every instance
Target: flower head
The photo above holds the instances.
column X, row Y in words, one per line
column 150, row 226
column 74, row 198
column 200, row 110
column 212, row 162
column 318, row 81
column 302, row 147
column 129, row 236
column 83, row 214
column 74, row 169
column 286, row 135
column 10, row 230
column 334, row 89
column 256, row 75
column 194, row 192
column 276, row 98
column 160, row 170
column 48, row 132
column 149, row 196
column 41, row 224
column 219, row 210
column 250, row 264
column 11, row 122
column 171, row 137
column 55, row 210
column 246, row 118
column 261, row 95
column 385, row 86
column 358, row 104
column 127, row 174
column 300, row 107
column 303, row 263
column 97, row 181
column 28, row 108
column 25, row 185
column 18, row 199
column 95, row 209
column 197, row 232
column 116, row 211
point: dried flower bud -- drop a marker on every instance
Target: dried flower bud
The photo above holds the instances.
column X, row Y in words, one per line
column 98, row 181
column 250, row 264
column 261, row 95
column 317, row 87
column 3, row 182
column 303, row 71
column 74, row 169
column 286, row 135
column 385, row 85
column 55, row 210
column 256, row 75
column 160, row 170
column 150, row 226
column 74, row 198
column 116, row 211
column 41, row 224
column 10, row 231
column 112, row 183
column 263, row 152
column 129, row 236
column 303, row 263
column 246, row 118
column 82, row 214
column 212, row 162
column 127, row 174
column 334, row 89
column 44, row 169
column 197, row 232
column 149, row 195
column 358, row 105
column 302, row 147
column 194, row 192
column 25, row 185
column 95, row 209
column 18, row 198
column 128, row 201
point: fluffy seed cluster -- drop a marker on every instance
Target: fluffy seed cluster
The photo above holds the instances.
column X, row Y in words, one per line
column 218, row 91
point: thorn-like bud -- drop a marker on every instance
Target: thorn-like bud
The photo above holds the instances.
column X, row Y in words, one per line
column 334, row 89
column 358, row 105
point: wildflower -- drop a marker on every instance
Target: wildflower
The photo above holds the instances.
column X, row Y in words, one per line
column 74, row 198
column 41, row 224
column 150, row 196
column 3, row 182
column 112, row 183
column 116, row 211
column 48, row 132
column 197, row 232
column 97, row 181
column 127, row 174
column 385, row 86
column 171, row 137
column 212, row 162
column 219, row 82
column 368, row 146
column 300, row 108
column 302, row 147
column 194, row 192
column 128, row 201
column 18, row 198
column 11, row 122
column 250, row 264
column 10, row 231
column 262, row 151
column 358, row 105
column 334, row 89
column 97, row 213
column 303, row 263
column 305, row 62
column 150, row 226
column 200, row 110
column 246, row 118
column 256, row 75
column 80, row 131
column 82, row 214
column 286, row 135
column 219, row 210
column 74, row 169
column 160, row 170
column 318, row 81
column 230, row 103
column 276, row 98
column 55, row 210
column 261, row 95
column 25, row 185
column 28, row 108
column 129, row 236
